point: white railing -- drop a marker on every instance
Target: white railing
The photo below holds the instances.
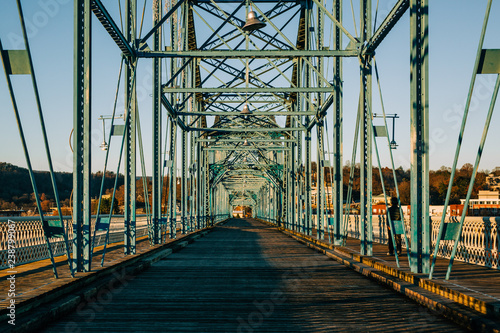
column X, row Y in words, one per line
column 478, row 243
column 30, row 240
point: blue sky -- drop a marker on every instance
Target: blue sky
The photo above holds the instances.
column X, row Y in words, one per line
column 454, row 33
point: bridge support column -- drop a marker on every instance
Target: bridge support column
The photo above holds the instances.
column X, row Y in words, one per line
column 366, row 134
column 308, row 218
column 172, row 181
column 300, row 184
column 82, row 138
column 320, row 184
column 130, row 140
column 292, row 217
column 419, row 132
column 184, row 189
column 338, row 192
column 155, row 233
column 199, row 188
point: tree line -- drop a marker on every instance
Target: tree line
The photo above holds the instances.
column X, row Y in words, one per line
column 16, row 191
column 438, row 182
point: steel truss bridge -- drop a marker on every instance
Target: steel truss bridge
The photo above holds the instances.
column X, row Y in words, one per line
column 208, row 67
column 241, row 91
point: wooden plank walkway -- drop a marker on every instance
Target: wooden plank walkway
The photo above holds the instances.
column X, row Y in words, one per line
column 476, row 281
column 247, row 277
column 36, row 278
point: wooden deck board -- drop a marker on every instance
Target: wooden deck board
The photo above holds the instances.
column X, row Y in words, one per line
column 247, row 277
column 477, row 281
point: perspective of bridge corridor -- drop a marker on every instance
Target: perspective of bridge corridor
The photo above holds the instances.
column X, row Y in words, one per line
column 245, row 276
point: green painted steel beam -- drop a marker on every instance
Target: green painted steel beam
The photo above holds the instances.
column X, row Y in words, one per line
column 130, row 158
column 239, row 1
column 158, row 23
column 321, row 112
column 252, row 54
column 156, row 179
column 235, row 98
column 366, row 135
column 246, row 129
column 109, row 24
column 248, row 90
column 387, row 25
column 260, row 114
column 338, row 184
column 419, row 134
column 233, row 148
column 82, row 138
column 253, row 140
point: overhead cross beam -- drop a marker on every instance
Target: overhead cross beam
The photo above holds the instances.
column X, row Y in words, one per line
column 387, row 25
column 109, row 24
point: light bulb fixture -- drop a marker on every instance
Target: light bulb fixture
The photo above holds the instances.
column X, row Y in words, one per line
column 245, row 143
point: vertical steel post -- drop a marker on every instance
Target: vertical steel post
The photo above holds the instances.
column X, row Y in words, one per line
column 366, row 134
column 319, row 131
column 307, row 106
column 172, row 181
column 308, row 230
column 82, row 137
column 184, row 136
column 130, row 132
column 192, row 180
column 338, row 192
column 419, row 133
column 284, row 215
column 206, row 184
column 199, row 182
column 320, row 183
column 157, row 130
column 293, row 193
column 300, row 184
column 184, row 189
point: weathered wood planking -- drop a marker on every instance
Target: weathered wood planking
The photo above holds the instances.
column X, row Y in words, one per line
column 247, row 277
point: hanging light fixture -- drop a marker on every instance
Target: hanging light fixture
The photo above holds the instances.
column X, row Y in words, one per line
column 253, row 23
column 245, row 143
column 245, row 110
column 104, row 144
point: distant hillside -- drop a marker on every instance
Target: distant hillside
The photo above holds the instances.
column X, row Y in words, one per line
column 16, row 190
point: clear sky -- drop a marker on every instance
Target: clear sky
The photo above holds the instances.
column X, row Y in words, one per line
column 454, row 34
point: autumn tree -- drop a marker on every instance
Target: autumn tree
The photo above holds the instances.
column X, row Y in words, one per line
column 106, row 206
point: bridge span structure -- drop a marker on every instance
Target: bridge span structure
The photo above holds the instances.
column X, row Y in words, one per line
column 242, row 94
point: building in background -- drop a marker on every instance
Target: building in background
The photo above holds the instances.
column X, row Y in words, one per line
column 487, row 204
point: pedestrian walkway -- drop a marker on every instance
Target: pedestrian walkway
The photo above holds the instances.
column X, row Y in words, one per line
column 473, row 281
column 244, row 276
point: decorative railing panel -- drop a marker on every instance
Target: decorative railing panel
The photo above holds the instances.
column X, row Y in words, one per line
column 30, row 241
column 478, row 243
